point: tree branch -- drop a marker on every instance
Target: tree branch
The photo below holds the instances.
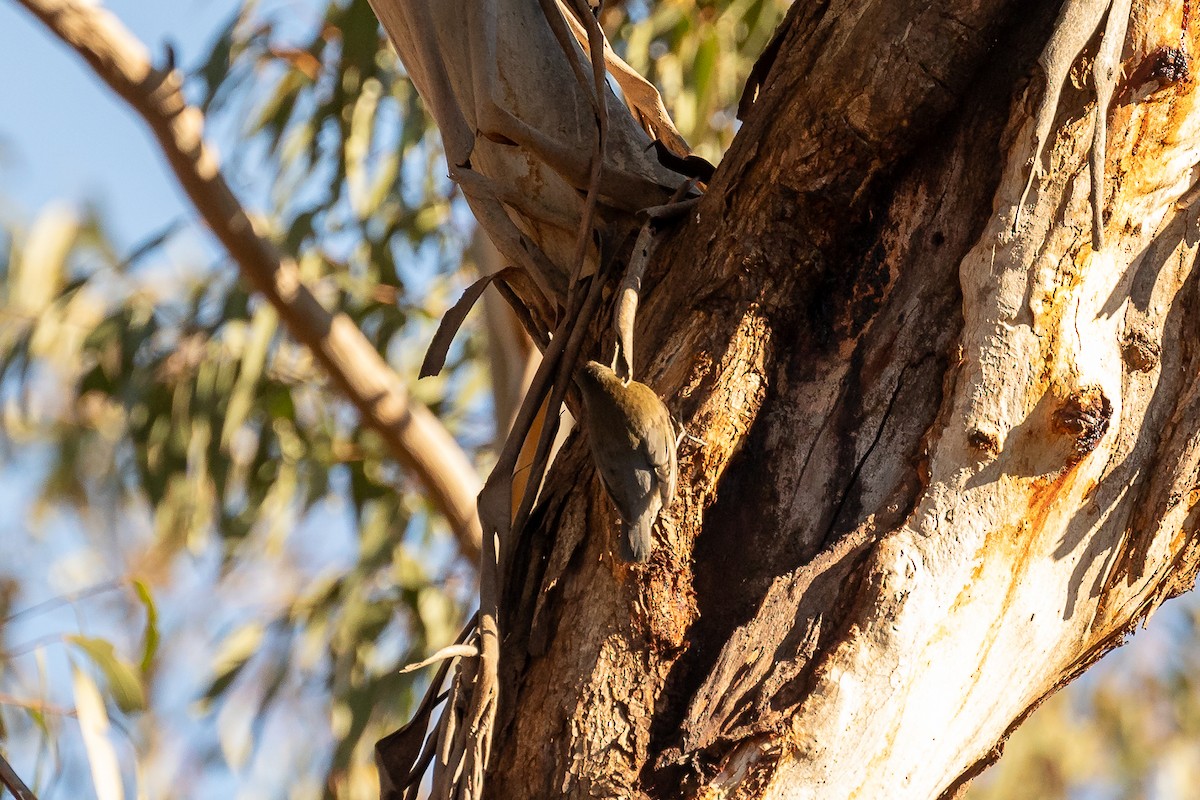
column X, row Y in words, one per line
column 11, row 781
column 415, row 437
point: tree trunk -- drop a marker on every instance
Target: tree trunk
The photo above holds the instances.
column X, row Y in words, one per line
column 945, row 454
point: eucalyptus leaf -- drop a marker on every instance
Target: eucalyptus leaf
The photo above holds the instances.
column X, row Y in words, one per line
column 151, row 637
column 124, row 685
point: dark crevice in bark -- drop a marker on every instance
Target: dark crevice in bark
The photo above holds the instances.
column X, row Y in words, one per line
column 724, row 555
column 810, row 253
column 733, row 707
column 835, row 530
column 841, row 301
column 847, row 295
column 831, row 299
column 735, row 557
column 967, row 158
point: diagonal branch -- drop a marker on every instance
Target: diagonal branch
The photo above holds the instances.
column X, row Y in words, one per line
column 11, row 781
column 414, row 435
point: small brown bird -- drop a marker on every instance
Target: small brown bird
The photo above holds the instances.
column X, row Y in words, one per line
column 633, row 444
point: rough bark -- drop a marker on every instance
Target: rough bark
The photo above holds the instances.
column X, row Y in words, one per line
column 947, row 452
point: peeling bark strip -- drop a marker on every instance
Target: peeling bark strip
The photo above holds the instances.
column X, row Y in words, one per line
column 519, row 128
column 555, row 182
column 950, row 443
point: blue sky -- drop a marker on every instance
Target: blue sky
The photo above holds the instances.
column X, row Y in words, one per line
column 65, row 136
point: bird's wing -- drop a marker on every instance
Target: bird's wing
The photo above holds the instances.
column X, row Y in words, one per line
column 666, row 479
column 659, row 448
column 630, row 489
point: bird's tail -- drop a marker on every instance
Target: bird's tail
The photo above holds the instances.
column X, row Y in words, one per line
column 636, row 541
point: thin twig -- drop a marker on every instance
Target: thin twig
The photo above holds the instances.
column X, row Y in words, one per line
column 68, row 598
column 630, row 291
column 13, row 782
column 36, row 706
column 414, row 435
column 25, row 648
column 449, row 652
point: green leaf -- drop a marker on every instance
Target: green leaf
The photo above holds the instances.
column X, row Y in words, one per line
column 123, row 682
column 213, row 73
column 438, row 614
column 705, row 69
column 235, row 653
column 36, row 278
column 152, row 243
column 151, row 636
column 254, row 359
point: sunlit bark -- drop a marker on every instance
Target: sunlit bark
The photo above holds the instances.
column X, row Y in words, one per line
column 947, row 452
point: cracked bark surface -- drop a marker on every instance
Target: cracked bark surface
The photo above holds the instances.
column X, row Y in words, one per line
column 949, row 457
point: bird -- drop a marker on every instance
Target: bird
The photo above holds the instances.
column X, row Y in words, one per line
column 632, row 438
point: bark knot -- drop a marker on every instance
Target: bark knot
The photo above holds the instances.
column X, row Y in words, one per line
column 1084, row 417
column 1141, row 353
column 986, row 442
column 1170, row 64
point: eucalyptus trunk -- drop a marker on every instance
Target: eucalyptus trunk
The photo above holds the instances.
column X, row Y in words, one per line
column 928, row 332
